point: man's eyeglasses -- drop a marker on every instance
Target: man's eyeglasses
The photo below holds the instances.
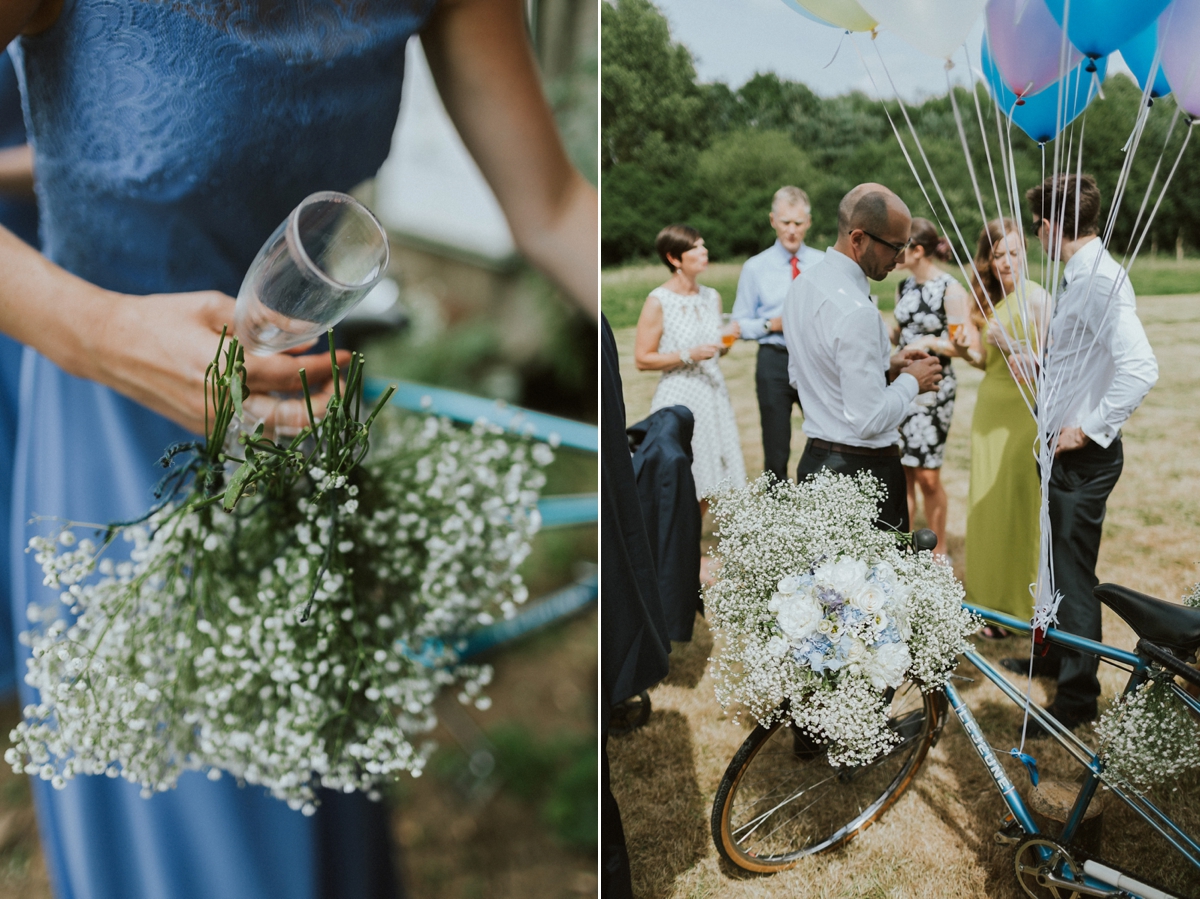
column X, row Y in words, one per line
column 898, row 248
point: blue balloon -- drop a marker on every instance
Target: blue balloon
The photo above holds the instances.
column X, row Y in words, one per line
column 1138, row 54
column 1038, row 115
column 1098, row 27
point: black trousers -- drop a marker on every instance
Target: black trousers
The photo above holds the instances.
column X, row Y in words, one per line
column 616, row 879
column 1080, row 483
column 775, row 400
column 893, row 512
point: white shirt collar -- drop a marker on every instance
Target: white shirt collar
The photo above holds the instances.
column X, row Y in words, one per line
column 1084, row 259
column 849, row 268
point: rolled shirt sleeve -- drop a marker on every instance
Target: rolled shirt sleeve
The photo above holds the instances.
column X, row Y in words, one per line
column 746, row 304
column 1135, row 373
column 872, row 406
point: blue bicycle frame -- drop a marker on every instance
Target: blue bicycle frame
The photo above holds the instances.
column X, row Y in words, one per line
column 1139, row 667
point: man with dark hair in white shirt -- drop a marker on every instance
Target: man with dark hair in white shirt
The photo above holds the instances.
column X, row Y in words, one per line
column 853, row 392
column 1099, row 368
column 761, row 289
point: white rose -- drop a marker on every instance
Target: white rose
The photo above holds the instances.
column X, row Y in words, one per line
column 777, row 647
column 886, row 666
column 775, row 602
column 798, row 618
column 857, row 651
column 870, row 598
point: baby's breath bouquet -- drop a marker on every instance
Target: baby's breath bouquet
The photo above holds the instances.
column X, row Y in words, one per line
column 1148, row 736
column 287, row 614
column 820, row 613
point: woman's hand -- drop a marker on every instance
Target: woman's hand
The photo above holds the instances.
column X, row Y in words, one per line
column 926, row 342
column 153, row 349
column 704, row 351
column 156, row 349
column 1024, row 367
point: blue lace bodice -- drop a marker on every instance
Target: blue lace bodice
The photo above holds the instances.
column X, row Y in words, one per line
column 172, row 136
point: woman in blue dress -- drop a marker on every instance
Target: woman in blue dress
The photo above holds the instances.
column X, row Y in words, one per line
column 170, row 139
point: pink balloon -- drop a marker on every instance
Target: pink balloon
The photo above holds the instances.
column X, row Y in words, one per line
column 1026, row 44
column 1178, row 38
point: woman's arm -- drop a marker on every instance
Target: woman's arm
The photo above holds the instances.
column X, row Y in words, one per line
column 970, row 346
column 649, row 332
column 479, row 54
column 154, row 349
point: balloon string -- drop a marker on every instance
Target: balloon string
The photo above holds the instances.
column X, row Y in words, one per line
column 836, row 50
column 924, row 158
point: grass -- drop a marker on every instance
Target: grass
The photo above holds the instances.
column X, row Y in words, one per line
column 937, row 841
column 623, row 290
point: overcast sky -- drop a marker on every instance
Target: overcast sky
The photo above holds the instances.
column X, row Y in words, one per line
column 731, row 40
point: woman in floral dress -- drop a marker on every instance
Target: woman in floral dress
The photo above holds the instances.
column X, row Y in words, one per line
column 679, row 333
column 921, row 302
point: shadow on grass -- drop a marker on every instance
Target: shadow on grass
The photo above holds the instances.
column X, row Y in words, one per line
column 689, row 661
column 654, row 782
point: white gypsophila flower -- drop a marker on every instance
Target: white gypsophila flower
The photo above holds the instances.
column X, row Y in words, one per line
column 816, row 606
column 1192, row 598
column 1147, row 737
column 193, row 637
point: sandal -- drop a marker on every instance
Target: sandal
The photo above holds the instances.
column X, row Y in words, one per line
column 993, row 632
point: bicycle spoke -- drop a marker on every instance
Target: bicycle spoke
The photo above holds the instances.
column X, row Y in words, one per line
column 785, row 801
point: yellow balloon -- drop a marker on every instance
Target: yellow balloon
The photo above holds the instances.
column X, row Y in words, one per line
column 842, row 13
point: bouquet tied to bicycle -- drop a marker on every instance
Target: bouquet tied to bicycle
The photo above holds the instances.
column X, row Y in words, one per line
column 822, row 615
column 284, row 614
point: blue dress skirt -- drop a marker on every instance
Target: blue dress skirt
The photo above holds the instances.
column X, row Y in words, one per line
column 171, row 139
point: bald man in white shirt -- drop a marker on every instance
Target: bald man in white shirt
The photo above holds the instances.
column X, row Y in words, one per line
column 854, row 393
column 1099, row 368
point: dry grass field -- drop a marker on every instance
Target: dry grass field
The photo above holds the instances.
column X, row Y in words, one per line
column 937, row 841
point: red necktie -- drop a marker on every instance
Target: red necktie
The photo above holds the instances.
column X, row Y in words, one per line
column 795, row 267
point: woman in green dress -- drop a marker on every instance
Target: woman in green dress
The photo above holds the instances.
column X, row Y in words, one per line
column 1004, row 339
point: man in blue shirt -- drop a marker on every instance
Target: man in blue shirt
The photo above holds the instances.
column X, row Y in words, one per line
column 758, row 310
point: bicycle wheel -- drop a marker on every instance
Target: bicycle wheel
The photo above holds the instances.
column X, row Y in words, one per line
column 781, row 800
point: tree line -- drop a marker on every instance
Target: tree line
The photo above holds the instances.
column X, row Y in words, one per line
column 677, row 150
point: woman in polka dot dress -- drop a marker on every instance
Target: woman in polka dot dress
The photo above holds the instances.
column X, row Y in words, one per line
column 679, row 333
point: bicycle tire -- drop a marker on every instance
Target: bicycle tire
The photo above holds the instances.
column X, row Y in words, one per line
column 756, row 830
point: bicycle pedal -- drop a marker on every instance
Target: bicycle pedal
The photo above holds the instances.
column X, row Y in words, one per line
column 1010, row 833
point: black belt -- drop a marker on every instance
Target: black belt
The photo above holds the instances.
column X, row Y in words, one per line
column 850, row 450
column 773, row 346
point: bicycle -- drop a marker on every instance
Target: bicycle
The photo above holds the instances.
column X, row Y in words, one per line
column 780, row 800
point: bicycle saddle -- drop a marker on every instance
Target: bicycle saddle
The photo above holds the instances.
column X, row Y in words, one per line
column 1172, row 626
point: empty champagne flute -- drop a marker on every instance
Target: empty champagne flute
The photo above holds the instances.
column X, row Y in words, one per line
column 318, row 265
column 320, row 262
